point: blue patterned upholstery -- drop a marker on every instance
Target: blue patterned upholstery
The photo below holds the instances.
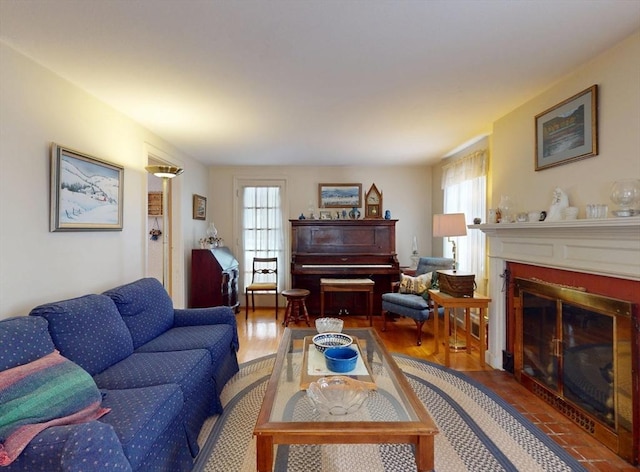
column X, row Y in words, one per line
column 88, row 330
column 145, row 307
column 23, row 340
column 92, row 446
column 161, row 371
column 140, row 415
column 414, row 306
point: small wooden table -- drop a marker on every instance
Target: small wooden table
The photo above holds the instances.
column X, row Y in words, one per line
column 449, row 302
column 348, row 285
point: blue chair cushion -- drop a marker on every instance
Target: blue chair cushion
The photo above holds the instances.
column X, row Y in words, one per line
column 145, row 307
column 23, row 339
column 140, row 416
column 88, row 330
column 406, row 304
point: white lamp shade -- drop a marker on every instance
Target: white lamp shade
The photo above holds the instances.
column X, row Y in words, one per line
column 449, row 224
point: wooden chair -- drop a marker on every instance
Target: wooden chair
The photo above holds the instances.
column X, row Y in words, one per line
column 264, row 278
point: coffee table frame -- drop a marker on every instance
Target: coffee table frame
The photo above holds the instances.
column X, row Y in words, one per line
column 420, row 432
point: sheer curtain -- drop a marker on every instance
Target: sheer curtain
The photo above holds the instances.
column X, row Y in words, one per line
column 465, row 191
column 262, row 233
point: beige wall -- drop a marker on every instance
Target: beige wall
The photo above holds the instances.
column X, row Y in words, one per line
column 617, row 74
column 406, row 192
column 36, row 266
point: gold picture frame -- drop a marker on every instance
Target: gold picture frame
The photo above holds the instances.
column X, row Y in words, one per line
column 339, row 195
column 199, row 207
column 568, row 131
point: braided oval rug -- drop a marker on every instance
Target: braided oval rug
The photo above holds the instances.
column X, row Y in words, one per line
column 478, row 430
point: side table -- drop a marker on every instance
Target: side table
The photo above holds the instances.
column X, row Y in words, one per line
column 449, row 302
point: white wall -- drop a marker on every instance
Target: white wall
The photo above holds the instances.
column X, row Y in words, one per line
column 617, row 74
column 37, row 266
column 406, row 192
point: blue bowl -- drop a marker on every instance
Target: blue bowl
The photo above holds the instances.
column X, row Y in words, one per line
column 341, row 359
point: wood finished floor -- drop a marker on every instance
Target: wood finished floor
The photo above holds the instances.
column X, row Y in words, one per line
column 261, row 334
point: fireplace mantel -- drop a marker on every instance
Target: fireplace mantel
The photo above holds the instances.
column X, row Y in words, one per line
column 609, row 247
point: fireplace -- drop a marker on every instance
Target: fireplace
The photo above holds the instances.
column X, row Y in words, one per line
column 565, row 316
column 573, row 349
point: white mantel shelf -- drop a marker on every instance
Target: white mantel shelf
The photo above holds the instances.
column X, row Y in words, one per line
column 609, row 247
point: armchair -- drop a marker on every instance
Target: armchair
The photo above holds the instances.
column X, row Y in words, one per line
column 412, row 302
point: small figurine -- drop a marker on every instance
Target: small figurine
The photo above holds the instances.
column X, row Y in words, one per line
column 558, row 204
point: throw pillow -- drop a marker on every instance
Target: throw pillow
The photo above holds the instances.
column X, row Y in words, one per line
column 416, row 285
column 47, row 392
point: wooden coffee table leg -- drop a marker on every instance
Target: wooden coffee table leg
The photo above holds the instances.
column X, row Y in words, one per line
column 424, row 453
column 264, row 453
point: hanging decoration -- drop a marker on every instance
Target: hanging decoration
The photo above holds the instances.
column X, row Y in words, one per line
column 155, row 232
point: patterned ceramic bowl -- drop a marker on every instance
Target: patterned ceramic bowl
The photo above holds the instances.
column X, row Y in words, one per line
column 323, row 341
column 329, row 325
column 337, row 395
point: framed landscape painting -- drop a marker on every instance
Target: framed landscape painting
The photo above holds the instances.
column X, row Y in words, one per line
column 199, row 207
column 568, row 131
column 86, row 192
column 339, row 195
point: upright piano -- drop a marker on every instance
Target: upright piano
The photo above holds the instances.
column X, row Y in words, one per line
column 348, row 249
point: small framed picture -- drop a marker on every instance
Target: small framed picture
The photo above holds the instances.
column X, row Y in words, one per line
column 568, row 131
column 325, row 215
column 339, row 195
column 86, row 192
column 199, row 207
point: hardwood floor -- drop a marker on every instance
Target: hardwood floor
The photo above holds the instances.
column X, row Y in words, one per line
column 261, row 334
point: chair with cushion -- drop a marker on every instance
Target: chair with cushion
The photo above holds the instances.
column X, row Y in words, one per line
column 264, row 278
column 411, row 299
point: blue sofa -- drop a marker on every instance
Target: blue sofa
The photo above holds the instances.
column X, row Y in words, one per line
column 160, row 370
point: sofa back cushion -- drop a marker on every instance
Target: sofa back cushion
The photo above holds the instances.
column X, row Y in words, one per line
column 145, row 307
column 88, row 330
column 23, row 340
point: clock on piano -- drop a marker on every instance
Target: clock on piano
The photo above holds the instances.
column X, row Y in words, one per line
column 373, row 203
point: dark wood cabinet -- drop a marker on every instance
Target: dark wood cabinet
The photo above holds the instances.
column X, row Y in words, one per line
column 214, row 278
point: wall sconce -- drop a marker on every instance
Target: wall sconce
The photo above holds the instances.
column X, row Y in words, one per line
column 165, row 173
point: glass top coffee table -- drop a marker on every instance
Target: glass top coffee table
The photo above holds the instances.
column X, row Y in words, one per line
column 288, row 416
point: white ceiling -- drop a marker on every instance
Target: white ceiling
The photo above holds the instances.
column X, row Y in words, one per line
column 315, row 82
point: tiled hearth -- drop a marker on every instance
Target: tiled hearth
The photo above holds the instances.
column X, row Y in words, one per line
column 599, row 256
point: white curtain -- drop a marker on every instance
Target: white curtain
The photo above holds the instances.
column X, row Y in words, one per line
column 464, row 182
column 262, row 232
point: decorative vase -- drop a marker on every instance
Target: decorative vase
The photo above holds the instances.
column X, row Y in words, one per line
column 625, row 193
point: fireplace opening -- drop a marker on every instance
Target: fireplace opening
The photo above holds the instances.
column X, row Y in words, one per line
column 574, row 349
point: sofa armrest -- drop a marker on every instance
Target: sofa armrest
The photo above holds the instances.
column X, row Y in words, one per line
column 207, row 316
column 71, row 448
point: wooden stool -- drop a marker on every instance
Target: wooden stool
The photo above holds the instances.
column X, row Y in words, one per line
column 295, row 300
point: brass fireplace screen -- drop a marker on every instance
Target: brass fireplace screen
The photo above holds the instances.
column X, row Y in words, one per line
column 573, row 349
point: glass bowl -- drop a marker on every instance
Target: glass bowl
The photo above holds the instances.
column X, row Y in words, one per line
column 329, row 325
column 338, row 395
column 323, row 341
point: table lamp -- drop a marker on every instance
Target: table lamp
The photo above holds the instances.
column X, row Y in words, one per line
column 447, row 226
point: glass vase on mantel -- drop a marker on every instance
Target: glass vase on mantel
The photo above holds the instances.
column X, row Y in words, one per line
column 626, row 193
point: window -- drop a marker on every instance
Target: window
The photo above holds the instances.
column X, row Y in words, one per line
column 262, row 233
column 465, row 191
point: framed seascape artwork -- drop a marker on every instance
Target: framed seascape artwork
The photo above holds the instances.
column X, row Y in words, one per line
column 199, row 207
column 339, row 195
column 86, row 192
column 568, row 131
